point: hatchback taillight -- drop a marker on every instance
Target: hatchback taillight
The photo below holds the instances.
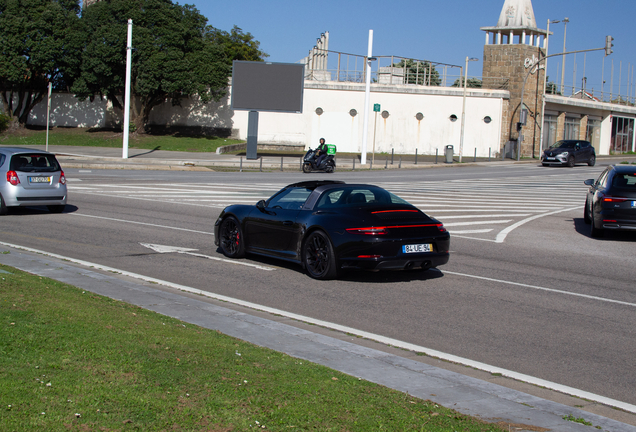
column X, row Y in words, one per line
column 62, row 178
column 12, row 177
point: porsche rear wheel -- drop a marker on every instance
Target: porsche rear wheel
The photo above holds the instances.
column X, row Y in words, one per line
column 231, row 238
column 318, row 256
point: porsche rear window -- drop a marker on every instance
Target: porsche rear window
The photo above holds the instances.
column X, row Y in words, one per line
column 34, row 162
column 356, row 196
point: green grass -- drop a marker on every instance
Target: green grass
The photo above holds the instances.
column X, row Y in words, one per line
column 71, row 360
column 93, row 138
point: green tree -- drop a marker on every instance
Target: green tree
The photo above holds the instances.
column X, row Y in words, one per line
column 171, row 58
column 419, row 72
column 470, row 82
column 40, row 42
column 236, row 44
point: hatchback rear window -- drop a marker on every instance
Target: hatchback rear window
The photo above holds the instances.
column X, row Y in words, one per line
column 624, row 181
column 34, row 162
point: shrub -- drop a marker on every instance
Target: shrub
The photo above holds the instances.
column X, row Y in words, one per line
column 4, row 122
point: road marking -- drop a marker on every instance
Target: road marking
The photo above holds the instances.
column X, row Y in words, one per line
column 187, row 251
column 141, row 223
column 481, row 231
column 379, row 338
column 502, row 235
column 590, row 297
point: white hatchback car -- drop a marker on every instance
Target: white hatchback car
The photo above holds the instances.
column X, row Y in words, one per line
column 33, row 178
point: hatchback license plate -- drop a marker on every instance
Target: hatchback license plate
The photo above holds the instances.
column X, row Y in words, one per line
column 427, row 247
column 633, row 204
column 39, row 179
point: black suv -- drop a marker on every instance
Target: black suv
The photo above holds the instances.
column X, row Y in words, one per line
column 569, row 153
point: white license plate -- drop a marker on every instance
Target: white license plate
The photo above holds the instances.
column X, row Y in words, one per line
column 39, row 179
column 550, row 158
column 415, row 248
column 633, row 204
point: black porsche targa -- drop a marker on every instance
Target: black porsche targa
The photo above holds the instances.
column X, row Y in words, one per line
column 327, row 226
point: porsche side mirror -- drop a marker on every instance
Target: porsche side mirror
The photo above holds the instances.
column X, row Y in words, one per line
column 260, row 205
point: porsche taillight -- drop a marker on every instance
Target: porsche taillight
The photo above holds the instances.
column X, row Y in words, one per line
column 12, row 177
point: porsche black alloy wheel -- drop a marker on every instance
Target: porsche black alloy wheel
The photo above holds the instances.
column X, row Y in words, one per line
column 231, row 240
column 319, row 257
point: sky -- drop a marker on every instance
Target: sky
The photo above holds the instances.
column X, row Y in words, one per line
column 439, row 31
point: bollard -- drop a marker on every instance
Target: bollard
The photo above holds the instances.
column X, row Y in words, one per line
column 281, row 163
column 354, row 164
column 261, row 167
column 386, row 163
column 400, row 166
column 436, row 152
column 489, row 149
column 301, row 164
column 370, row 164
column 392, row 153
column 241, row 165
column 415, row 156
column 475, row 158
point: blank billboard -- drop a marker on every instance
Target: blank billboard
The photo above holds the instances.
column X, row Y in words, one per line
column 260, row 86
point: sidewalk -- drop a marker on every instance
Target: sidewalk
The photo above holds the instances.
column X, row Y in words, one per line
column 111, row 158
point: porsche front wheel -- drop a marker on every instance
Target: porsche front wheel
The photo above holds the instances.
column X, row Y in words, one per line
column 318, row 256
column 231, row 238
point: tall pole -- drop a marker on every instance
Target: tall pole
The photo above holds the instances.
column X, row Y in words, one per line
column 565, row 28
column 127, row 92
column 48, row 115
column 461, row 137
column 367, row 101
column 545, row 83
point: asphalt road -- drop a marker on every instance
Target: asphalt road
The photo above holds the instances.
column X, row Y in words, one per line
column 526, row 288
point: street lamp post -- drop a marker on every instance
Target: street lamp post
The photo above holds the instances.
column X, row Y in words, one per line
column 545, row 83
column 565, row 28
column 461, row 137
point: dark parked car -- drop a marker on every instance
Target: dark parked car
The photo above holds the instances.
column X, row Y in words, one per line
column 611, row 200
column 569, row 153
column 327, row 226
column 31, row 178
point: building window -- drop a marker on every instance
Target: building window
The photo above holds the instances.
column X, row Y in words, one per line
column 453, row 118
column 571, row 129
column 549, row 130
column 487, row 119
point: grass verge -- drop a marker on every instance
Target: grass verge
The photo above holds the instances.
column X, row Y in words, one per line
column 75, row 361
column 101, row 138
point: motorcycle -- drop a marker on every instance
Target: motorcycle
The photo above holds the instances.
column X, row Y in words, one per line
column 328, row 164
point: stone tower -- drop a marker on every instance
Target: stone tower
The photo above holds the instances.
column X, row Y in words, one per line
column 511, row 54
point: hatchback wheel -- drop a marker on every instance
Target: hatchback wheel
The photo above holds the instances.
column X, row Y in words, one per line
column 3, row 207
column 231, row 238
column 318, row 256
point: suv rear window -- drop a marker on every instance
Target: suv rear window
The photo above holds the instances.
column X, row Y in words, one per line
column 624, row 181
column 34, row 162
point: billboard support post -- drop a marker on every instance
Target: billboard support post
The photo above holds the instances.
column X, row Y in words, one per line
column 252, row 135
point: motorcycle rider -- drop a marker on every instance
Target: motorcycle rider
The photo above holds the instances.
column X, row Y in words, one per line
column 321, row 152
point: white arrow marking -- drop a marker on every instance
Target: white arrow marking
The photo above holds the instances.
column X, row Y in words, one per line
column 188, row 251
